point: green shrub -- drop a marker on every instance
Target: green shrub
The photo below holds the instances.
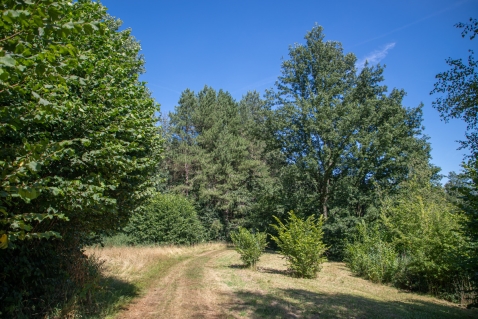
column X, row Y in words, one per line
column 371, row 256
column 425, row 227
column 249, row 246
column 420, row 245
column 166, row 219
column 300, row 241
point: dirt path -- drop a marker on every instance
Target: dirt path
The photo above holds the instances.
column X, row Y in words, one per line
column 190, row 289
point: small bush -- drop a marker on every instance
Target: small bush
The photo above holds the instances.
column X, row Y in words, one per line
column 300, row 241
column 371, row 256
column 166, row 219
column 249, row 246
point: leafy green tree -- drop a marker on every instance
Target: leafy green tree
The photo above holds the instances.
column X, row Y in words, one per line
column 36, row 55
column 214, row 157
column 460, row 86
column 424, row 226
column 418, row 243
column 300, row 241
column 464, row 191
column 78, row 140
column 341, row 134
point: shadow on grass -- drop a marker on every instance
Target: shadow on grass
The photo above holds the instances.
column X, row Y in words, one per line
column 111, row 295
column 238, row 266
column 298, row 303
column 268, row 270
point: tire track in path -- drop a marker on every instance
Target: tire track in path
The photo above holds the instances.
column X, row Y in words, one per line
column 188, row 290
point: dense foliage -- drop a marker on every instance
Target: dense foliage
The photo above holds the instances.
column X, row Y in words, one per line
column 78, row 134
column 418, row 244
column 166, row 219
column 372, row 256
column 301, row 243
column 79, row 145
column 213, row 157
column 341, row 135
column 249, row 245
column 460, row 100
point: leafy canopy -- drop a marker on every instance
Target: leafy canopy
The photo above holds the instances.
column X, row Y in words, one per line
column 78, row 136
column 460, row 84
column 341, row 134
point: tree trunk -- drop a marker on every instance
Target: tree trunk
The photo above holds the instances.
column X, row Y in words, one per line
column 186, row 171
column 325, row 198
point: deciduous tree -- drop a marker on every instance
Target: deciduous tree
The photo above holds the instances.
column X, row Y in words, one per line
column 341, row 134
column 460, row 86
column 78, row 143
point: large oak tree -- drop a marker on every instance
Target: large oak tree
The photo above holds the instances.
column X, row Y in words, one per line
column 343, row 137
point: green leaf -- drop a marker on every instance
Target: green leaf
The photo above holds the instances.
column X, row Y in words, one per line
column 28, row 193
column 3, row 241
column 88, row 28
column 4, row 75
column 8, row 61
column 44, row 102
column 34, row 166
column 85, row 142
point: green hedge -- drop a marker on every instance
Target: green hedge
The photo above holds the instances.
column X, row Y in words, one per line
column 166, row 219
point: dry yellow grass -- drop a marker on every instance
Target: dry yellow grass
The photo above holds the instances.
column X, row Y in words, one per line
column 208, row 281
column 131, row 263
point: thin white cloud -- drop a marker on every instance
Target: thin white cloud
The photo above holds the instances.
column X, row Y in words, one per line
column 375, row 56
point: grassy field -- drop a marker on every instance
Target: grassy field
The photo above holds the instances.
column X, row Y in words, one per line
column 208, row 281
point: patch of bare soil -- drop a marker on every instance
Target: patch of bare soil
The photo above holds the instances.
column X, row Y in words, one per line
column 188, row 290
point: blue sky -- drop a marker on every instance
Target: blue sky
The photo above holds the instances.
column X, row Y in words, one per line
column 238, row 45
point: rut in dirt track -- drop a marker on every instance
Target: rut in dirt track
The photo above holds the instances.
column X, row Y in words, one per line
column 188, row 290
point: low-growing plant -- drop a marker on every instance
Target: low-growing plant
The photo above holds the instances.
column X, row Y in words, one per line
column 300, row 241
column 249, row 245
column 39, row 279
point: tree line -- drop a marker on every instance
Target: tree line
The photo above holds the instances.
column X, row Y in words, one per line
column 328, row 140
